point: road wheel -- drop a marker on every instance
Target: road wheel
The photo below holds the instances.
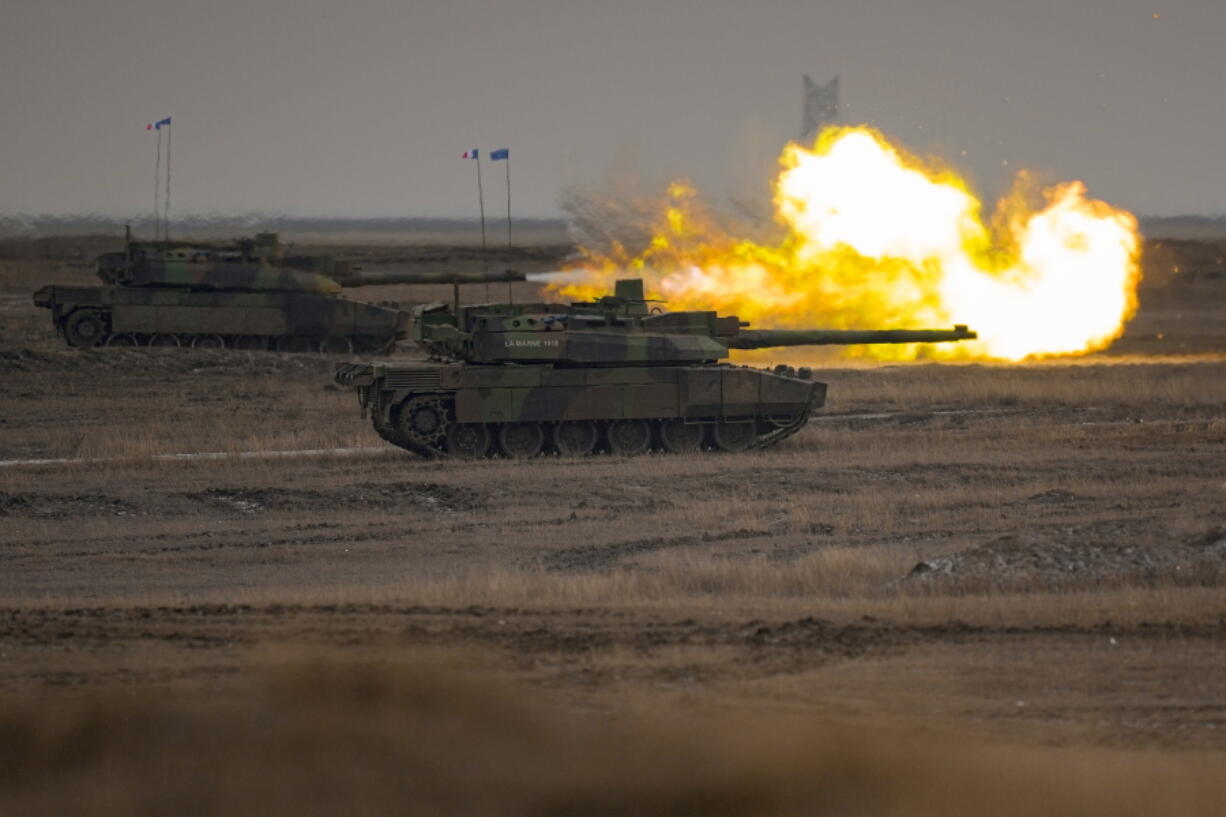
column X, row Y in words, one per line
column 733, row 436
column 208, row 342
column 629, row 438
column 521, row 440
column 122, row 340
column 679, row 437
column 575, row 438
column 85, row 328
column 468, row 441
column 336, row 345
column 164, row 340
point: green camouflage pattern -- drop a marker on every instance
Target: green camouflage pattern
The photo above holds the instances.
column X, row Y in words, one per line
column 616, row 374
column 251, row 296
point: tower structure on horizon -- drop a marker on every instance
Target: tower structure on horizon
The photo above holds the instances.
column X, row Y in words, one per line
column 821, row 107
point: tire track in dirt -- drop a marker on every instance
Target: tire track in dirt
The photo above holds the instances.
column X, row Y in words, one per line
column 583, row 558
column 532, row 630
column 429, row 496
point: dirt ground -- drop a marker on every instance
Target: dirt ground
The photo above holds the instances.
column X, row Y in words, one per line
column 1014, row 569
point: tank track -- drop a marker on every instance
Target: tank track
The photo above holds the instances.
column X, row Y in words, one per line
column 423, row 424
column 437, row 449
column 781, row 433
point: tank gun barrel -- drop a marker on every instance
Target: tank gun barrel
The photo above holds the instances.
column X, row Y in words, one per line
column 362, row 279
column 767, row 338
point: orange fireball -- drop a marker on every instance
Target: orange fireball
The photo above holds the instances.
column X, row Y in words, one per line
column 874, row 237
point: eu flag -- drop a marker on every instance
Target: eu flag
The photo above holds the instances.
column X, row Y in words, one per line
column 504, row 153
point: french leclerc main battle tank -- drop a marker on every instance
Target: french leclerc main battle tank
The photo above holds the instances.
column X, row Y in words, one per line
column 251, row 296
column 615, row 374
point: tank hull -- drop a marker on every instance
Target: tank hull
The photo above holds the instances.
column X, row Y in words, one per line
column 293, row 321
column 441, row 409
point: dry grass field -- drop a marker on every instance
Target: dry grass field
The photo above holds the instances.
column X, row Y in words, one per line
column 963, row 589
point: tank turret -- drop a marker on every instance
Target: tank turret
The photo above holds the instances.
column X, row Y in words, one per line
column 622, row 329
column 249, row 267
column 258, row 264
column 615, row 374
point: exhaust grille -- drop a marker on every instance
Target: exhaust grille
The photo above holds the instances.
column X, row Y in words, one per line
column 412, row 379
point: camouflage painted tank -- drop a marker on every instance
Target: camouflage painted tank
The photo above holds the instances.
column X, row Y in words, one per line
column 250, row 296
column 616, row 374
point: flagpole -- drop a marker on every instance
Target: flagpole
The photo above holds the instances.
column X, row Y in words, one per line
column 508, row 161
column 157, row 182
column 481, row 204
column 166, row 220
column 510, row 252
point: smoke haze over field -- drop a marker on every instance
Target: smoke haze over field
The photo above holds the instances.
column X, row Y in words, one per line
column 363, row 109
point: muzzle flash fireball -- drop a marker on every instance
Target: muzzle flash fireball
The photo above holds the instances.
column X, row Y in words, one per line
column 872, row 235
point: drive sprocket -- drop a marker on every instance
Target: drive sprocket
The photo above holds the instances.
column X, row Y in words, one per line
column 424, row 420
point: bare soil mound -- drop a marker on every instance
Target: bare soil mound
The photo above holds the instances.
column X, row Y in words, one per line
column 61, row 506
column 1076, row 557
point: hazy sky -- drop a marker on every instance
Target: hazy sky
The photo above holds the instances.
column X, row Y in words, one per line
column 362, row 107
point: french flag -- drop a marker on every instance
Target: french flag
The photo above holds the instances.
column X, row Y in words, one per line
column 469, row 154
